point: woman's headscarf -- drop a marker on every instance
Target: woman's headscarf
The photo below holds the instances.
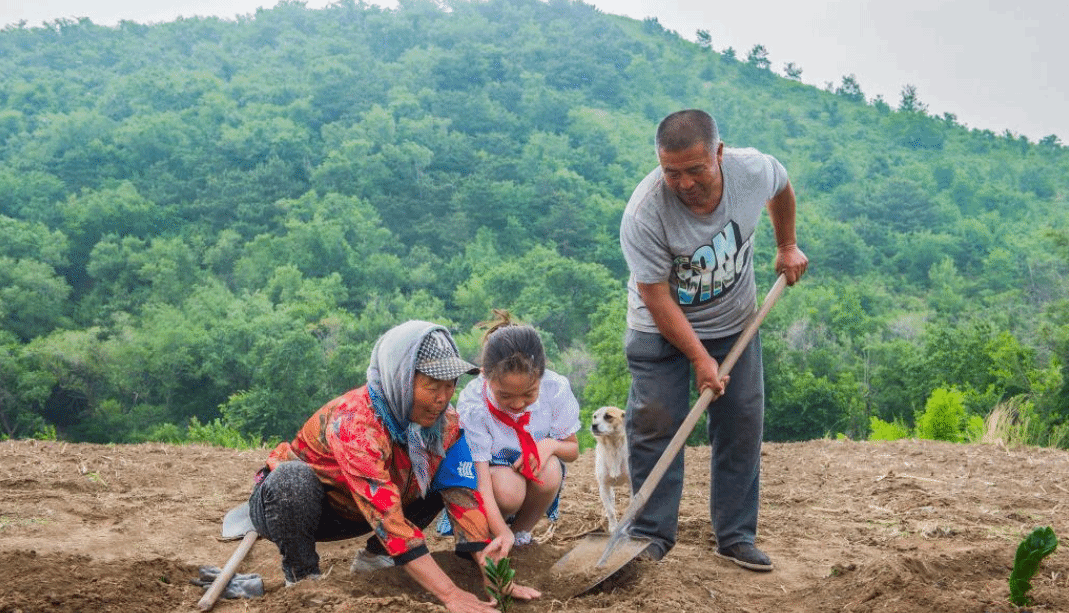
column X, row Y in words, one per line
column 391, row 376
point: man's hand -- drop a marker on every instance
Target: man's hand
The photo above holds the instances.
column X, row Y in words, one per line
column 791, row 262
column 707, row 374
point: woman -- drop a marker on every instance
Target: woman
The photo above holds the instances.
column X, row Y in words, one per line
column 383, row 459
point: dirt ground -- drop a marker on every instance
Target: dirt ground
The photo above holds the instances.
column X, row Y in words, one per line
column 906, row 526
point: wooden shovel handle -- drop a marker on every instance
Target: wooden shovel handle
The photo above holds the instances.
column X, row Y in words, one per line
column 208, row 600
column 638, row 501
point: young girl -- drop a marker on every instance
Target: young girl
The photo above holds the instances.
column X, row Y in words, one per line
column 521, row 422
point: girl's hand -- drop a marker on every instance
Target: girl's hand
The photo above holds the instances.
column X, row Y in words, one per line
column 497, row 549
column 536, row 463
column 547, row 448
column 523, row 592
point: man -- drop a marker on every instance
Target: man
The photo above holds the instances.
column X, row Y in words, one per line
column 688, row 235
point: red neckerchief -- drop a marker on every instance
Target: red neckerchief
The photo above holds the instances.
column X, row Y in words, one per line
column 528, row 448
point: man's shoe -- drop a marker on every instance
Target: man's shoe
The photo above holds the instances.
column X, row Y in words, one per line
column 746, row 556
column 365, row 562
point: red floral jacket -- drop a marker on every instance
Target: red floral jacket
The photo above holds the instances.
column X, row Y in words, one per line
column 370, row 478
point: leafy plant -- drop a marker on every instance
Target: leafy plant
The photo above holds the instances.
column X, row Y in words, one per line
column 500, row 575
column 886, row 431
column 46, row 433
column 1038, row 545
column 215, row 432
column 943, row 416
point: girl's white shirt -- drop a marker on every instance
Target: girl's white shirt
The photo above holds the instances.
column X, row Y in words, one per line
column 555, row 414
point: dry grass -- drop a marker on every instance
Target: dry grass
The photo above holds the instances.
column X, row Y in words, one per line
column 1003, row 426
column 1012, row 424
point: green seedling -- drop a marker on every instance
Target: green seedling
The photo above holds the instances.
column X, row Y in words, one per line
column 500, row 575
column 1038, row 545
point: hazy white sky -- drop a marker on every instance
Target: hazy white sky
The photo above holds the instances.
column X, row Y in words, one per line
column 994, row 64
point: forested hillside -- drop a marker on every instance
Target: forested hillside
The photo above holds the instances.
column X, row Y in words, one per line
column 209, row 222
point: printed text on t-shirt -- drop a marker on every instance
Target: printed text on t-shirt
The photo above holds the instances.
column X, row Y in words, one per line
column 712, row 270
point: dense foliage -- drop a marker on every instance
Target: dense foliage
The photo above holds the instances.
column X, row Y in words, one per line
column 211, row 221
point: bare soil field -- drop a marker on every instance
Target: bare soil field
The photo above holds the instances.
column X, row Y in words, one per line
column 907, row 526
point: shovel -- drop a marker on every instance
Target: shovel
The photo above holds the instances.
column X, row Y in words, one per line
column 236, row 525
column 604, row 554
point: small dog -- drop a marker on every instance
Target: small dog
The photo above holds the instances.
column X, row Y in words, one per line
column 610, row 457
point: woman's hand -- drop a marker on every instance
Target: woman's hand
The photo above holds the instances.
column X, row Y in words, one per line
column 461, row 601
column 431, row 577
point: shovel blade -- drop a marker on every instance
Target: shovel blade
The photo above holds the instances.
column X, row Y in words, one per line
column 237, row 523
column 583, row 560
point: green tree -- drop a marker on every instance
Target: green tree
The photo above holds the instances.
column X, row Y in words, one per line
column 850, row 89
column 758, row 58
column 23, row 391
column 705, row 41
column 120, row 210
column 610, row 380
column 33, row 298
column 909, row 102
column 29, row 193
column 802, row 407
column 32, row 240
column 943, row 417
column 552, row 293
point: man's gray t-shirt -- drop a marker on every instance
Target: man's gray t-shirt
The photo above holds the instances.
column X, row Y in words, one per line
column 706, row 259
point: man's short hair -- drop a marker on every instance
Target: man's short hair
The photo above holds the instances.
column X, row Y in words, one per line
column 685, row 129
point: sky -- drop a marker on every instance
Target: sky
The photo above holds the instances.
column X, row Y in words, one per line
column 992, row 63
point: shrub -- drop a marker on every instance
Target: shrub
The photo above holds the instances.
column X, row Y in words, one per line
column 886, row 431
column 167, row 433
column 975, row 429
column 943, row 416
column 215, row 432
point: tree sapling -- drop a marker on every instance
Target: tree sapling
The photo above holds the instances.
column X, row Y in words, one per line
column 500, row 575
column 1038, row 545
